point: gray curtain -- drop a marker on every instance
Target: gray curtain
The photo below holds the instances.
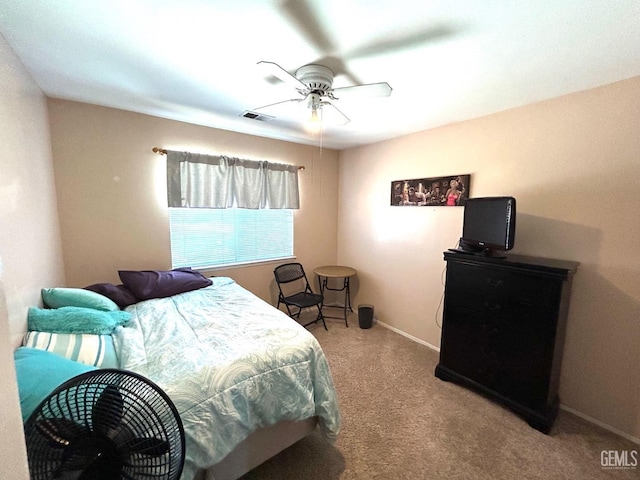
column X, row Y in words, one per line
column 206, row 181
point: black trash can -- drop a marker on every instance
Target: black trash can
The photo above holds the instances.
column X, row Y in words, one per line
column 365, row 316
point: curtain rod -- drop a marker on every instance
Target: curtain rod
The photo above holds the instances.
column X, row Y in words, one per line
column 162, row 151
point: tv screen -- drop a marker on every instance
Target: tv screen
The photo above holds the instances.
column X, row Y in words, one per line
column 489, row 224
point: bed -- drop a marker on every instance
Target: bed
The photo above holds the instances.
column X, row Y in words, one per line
column 247, row 380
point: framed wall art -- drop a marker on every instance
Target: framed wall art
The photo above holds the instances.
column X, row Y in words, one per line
column 449, row 191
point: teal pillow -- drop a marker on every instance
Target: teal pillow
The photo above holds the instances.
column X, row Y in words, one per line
column 75, row 320
column 40, row 372
column 77, row 297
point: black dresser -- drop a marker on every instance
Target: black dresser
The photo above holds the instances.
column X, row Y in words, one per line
column 503, row 330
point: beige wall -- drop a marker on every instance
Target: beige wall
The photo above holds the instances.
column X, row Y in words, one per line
column 112, row 192
column 30, row 253
column 573, row 164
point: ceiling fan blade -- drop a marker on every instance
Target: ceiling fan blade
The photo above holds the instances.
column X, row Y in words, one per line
column 382, row 89
column 293, row 100
column 403, row 41
column 279, row 72
column 302, row 15
column 338, row 66
column 332, row 116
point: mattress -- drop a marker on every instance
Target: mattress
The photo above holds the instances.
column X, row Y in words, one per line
column 231, row 363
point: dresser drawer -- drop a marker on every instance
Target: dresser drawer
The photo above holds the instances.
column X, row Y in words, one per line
column 520, row 385
column 519, row 326
column 510, row 373
column 526, row 287
column 484, row 340
column 526, row 302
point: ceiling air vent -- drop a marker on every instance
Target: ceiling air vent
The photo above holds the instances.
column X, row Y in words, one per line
column 261, row 117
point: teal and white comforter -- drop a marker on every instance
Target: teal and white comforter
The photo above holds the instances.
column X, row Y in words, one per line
column 231, row 363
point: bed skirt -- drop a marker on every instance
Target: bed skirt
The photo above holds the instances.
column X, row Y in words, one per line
column 258, row 447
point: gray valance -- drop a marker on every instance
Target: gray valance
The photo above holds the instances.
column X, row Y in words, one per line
column 207, row 181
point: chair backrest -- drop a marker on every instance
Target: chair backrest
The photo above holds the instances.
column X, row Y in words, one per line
column 289, row 272
column 291, row 279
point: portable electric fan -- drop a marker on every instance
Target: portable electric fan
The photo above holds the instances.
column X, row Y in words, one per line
column 105, row 424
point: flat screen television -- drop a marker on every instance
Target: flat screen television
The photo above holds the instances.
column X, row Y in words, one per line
column 489, row 226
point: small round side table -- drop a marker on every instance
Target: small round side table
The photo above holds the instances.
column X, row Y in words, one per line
column 326, row 272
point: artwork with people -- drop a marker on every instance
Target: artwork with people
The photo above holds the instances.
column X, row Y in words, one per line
column 449, row 191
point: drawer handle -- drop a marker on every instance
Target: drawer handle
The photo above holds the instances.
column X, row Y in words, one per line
column 527, row 303
column 495, row 283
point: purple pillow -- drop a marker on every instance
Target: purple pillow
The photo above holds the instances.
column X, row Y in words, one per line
column 146, row 284
column 122, row 296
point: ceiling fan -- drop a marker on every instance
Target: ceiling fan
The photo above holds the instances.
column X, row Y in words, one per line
column 314, row 85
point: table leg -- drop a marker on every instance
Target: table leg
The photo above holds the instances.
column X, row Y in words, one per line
column 323, row 281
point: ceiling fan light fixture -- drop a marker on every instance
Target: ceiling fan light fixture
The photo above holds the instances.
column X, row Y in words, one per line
column 313, row 121
column 314, row 101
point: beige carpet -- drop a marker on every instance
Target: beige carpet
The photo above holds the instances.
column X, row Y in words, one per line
column 401, row 422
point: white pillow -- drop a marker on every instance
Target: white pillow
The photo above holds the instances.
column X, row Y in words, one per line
column 89, row 349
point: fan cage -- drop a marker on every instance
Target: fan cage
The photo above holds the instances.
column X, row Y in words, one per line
column 146, row 412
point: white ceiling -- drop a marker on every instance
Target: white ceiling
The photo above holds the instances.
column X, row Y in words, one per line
column 446, row 60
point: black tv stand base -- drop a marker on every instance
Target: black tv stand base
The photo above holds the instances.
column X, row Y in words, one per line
column 540, row 420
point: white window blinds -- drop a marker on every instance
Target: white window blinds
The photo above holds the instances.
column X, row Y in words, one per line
column 205, row 237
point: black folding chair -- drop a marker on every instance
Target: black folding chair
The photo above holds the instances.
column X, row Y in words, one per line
column 295, row 291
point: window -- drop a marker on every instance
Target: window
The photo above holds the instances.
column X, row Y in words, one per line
column 208, row 229
column 208, row 237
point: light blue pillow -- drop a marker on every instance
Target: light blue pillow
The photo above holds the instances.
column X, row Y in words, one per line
column 77, row 297
column 75, row 320
column 87, row 348
column 40, row 372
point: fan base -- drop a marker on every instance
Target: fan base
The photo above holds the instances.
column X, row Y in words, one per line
column 317, row 77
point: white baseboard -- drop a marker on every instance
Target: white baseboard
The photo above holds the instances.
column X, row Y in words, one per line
column 601, row 424
column 410, row 337
column 563, row 407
